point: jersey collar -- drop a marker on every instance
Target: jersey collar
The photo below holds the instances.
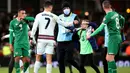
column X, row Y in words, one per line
column 109, row 11
column 46, row 11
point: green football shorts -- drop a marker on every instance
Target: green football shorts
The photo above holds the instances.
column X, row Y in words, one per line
column 114, row 43
column 20, row 50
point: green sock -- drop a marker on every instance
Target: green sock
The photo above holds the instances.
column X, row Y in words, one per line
column 26, row 65
column 112, row 67
column 17, row 67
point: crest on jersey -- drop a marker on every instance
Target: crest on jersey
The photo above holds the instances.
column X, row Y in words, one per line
column 20, row 25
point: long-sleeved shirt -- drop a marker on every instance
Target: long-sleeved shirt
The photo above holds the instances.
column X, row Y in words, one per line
column 64, row 34
column 114, row 23
column 46, row 22
column 19, row 31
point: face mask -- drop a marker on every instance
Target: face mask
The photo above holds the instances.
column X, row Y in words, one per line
column 66, row 11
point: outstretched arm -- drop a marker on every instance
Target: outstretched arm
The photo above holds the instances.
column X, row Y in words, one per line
column 65, row 24
column 61, row 22
column 106, row 20
column 99, row 29
column 34, row 29
column 28, row 18
column 5, row 36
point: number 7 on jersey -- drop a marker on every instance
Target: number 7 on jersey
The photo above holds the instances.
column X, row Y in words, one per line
column 48, row 21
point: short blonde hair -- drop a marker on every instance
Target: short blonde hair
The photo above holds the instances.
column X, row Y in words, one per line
column 106, row 4
column 85, row 21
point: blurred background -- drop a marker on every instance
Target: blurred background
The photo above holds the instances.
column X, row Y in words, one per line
column 90, row 9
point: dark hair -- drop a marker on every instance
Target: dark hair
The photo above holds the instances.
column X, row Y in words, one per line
column 106, row 4
column 21, row 9
column 66, row 4
column 47, row 4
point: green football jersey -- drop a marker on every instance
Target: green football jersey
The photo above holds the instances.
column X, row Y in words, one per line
column 85, row 46
column 114, row 23
column 112, row 20
column 19, row 30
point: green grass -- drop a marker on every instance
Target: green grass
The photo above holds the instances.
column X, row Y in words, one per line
column 55, row 70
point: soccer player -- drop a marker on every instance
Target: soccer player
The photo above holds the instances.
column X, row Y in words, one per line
column 11, row 63
column 19, row 34
column 46, row 22
column 114, row 23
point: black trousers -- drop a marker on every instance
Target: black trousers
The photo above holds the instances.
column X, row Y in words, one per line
column 65, row 53
column 11, row 63
column 105, row 65
column 88, row 57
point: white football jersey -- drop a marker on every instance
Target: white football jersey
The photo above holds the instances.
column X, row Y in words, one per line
column 46, row 22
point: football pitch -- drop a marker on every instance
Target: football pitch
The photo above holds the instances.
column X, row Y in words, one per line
column 55, row 70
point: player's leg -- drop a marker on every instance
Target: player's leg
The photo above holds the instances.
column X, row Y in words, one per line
column 113, row 47
column 11, row 63
column 49, row 50
column 26, row 62
column 17, row 54
column 37, row 64
column 40, row 51
column 25, row 59
column 111, row 63
column 61, row 57
column 49, row 63
column 91, row 62
column 17, row 67
column 22, row 67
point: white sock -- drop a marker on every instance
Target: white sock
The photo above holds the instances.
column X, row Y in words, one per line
column 20, row 63
column 48, row 68
column 37, row 66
